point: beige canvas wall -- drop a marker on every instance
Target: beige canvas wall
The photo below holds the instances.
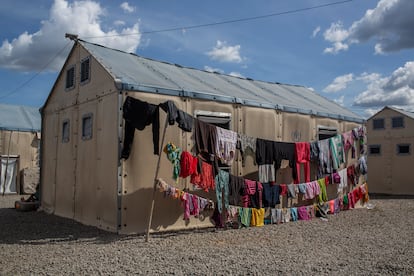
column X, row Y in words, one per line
column 22, row 143
column 25, row 145
column 79, row 177
column 389, row 171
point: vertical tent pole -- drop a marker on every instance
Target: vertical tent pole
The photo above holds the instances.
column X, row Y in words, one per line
column 155, row 180
column 7, row 163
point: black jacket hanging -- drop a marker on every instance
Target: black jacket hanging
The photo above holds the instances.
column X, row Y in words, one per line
column 183, row 119
column 138, row 115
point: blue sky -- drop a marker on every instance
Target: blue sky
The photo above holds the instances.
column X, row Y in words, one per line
column 357, row 53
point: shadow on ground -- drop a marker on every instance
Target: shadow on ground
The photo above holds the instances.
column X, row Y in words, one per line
column 35, row 227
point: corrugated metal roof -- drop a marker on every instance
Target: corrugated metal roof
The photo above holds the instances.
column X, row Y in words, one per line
column 133, row 72
column 406, row 113
column 19, row 118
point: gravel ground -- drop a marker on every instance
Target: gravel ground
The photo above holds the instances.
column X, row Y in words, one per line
column 356, row 242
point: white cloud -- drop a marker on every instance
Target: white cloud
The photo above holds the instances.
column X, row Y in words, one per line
column 371, row 111
column 127, row 8
column 396, row 89
column 368, row 78
column 212, row 70
column 340, row 100
column 224, row 53
column 339, row 83
column 119, row 23
column 236, row 74
column 337, row 47
column 316, row 31
column 389, row 24
column 30, row 51
column 336, row 34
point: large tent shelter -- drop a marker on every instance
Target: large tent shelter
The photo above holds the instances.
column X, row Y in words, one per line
column 83, row 174
column 390, row 156
column 19, row 148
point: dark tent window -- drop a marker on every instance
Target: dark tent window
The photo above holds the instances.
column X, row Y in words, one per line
column 378, row 124
column 85, row 70
column 65, row 131
column 403, row 149
column 397, row 122
column 70, row 78
column 375, row 149
column 325, row 133
column 87, row 127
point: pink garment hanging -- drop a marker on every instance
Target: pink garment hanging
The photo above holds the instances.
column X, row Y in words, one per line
column 303, row 213
column 302, row 150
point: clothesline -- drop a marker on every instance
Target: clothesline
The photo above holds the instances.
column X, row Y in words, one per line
column 139, row 114
column 245, row 216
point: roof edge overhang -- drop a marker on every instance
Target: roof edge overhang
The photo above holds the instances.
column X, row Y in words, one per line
column 20, row 129
column 227, row 99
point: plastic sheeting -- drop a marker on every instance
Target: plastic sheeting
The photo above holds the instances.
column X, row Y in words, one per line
column 8, row 175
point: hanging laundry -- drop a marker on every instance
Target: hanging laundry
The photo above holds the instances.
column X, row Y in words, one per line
column 257, row 218
column 360, row 135
column 173, row 154
column 311, row 211
column 225, row 148
column 322, row 195
column 312, row 190
column 247, row 147
column 270, row 195
column 205, row 139
column 344, row 180
column 285, row 215
column 279, row 216
column 285, row 151
column 233, row 217
column 253, row 196
column 264, row 152
column 292, row 190
column 191, row 205
column 364, row 188
column 345, row 202
column 283, row 189
column 245, row 215
column 302, row 154
column 349, row 142
column 236, row 189
column 188, row 164
column 363, row 168
column 337, row 151
column 183, row 119
column 303, row 213
column 325, row 163
column 293, row 214
column 351, row 200
column 314, row 151
column 322, row 210
column 205, row 179
column 331, row 206
column 273, row 216
column 352, row 178
column 302, row 187
column 336, row 206
column 137, row 115
column 217, row 218
column 267, row 173
column 222, row 190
